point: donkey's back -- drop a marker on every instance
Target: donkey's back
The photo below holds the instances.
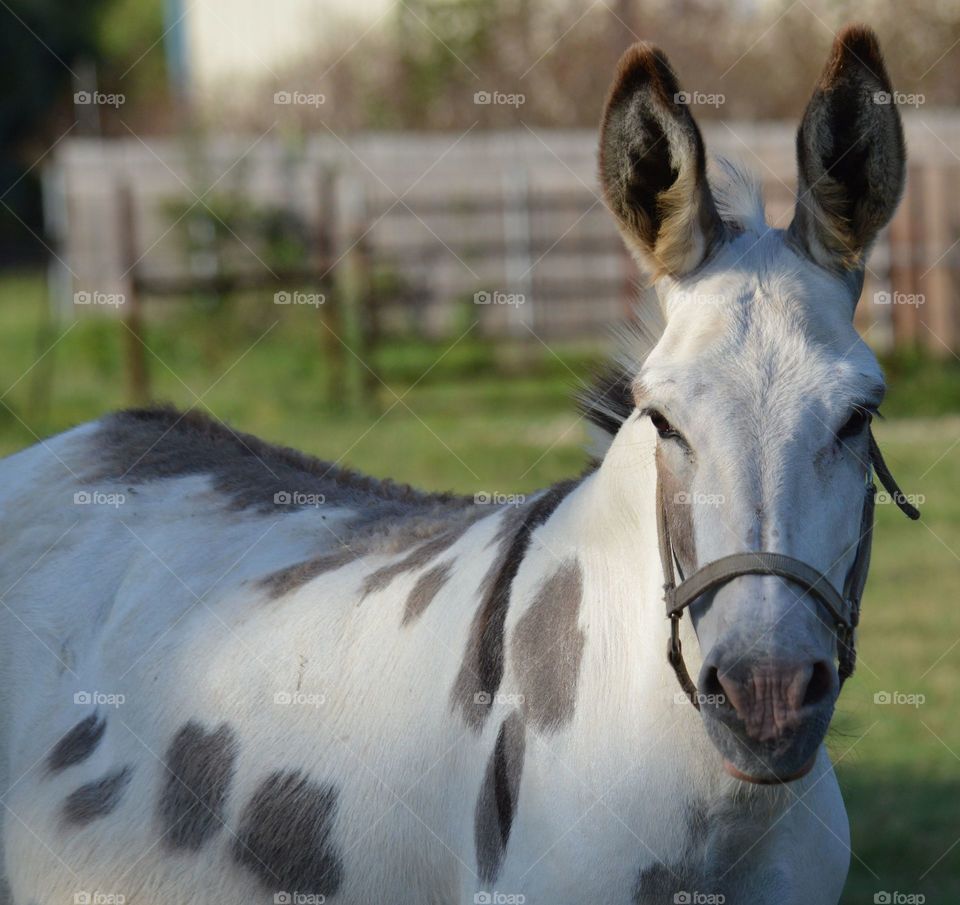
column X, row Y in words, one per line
column 173, row 684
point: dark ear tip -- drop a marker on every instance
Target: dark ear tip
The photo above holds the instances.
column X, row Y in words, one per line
column 856, row 45
column 643, row 65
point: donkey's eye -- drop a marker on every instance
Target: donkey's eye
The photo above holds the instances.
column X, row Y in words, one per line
column 664, row 428
column 854, row 425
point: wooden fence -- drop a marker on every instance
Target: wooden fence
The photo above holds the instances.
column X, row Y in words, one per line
column 509, row 224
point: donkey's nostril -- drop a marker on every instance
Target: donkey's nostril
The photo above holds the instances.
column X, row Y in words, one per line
column 710, row 684
column 820, row 685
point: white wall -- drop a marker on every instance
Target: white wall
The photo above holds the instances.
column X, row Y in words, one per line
column 232, row 43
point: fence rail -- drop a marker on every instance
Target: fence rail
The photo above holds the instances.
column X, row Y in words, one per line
column 509, row 222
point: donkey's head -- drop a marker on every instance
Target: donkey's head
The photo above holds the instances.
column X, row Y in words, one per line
column 760, row 389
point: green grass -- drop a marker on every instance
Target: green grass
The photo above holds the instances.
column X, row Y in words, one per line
column 472, row 417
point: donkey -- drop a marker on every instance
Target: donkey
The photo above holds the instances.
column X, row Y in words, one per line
column 234, row 673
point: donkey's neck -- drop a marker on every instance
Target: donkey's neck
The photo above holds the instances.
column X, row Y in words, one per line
column 610, row 522
column 630, row 709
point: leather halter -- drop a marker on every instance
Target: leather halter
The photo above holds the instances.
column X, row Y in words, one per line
column 843, row 610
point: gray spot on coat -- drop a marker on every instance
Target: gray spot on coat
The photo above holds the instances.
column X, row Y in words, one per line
column 497, row 802
column 199, row 769
column 482, row 669
column 416, row 559
column 709, row 858
column 286, row 580
column 285, row 835
column 98, row 798
column 661, row 882
column 547, row 649
column 427, row 587
column 430, row 532
column 77, row 744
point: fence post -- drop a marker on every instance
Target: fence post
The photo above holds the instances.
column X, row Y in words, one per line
column 354, row 287
column 367, row 308
column 902, row 237
column 331, row 320
column 938, row 302
column 138, row 378
column 518, row 258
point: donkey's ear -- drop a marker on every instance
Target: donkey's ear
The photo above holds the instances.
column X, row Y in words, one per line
column 653, row 166
column 850, row 155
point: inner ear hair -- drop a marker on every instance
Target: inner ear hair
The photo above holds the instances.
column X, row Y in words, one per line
column 653, row 166
column 850, row 155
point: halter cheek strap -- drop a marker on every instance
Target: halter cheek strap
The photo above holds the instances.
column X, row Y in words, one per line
column 843, row 610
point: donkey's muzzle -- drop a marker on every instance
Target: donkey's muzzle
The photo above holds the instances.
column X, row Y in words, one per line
column 771, row 700
column 768, row 717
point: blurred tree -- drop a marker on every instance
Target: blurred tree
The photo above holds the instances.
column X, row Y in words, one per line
column 49, row 49
column 434, row 41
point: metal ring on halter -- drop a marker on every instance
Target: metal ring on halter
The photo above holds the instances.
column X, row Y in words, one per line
column 844, row 610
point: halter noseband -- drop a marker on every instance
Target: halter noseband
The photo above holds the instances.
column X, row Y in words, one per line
column 843, row 610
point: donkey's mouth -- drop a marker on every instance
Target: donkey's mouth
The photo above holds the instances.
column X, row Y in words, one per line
column 769, row 780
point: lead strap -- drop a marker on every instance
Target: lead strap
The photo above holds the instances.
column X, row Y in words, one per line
column 888, row 481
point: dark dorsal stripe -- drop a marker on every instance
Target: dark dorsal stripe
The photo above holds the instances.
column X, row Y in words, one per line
column 482, row 669
column 286, row 835
column 98, row 798
column 77, row 744
column 497, row 802
column 199, row 770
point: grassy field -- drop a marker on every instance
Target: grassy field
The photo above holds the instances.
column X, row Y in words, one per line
column 458, row 415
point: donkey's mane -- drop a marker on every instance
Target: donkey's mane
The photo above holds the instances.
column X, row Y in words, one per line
column 607, row 401
column 139, row 445
column 738, row 194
